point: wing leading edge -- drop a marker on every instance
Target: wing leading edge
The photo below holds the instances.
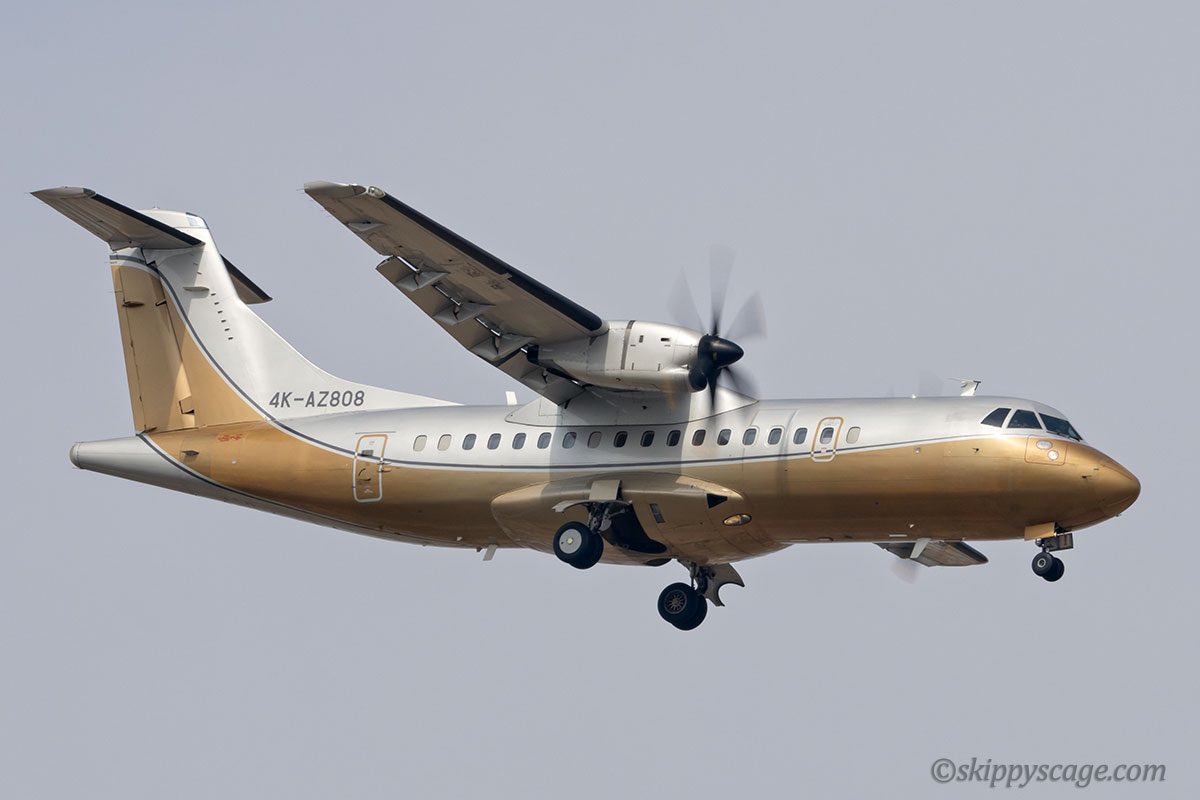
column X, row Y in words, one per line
column 492, row 309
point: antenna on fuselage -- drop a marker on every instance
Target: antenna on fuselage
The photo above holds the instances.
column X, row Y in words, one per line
column 968, row 386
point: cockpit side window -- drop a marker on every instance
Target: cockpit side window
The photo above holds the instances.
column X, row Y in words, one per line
column 1061, row 427
column 1024, row 419
column 997, row 417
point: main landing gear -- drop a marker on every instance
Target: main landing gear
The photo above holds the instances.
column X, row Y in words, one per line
column 578, row 545
column 682, row 606
column 1046, row 565
column 685, row 605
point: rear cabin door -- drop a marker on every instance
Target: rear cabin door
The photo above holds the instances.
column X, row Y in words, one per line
column 368, row 468
column 825, row 439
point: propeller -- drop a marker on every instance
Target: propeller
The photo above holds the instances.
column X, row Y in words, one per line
column 716, row 353
column 930, row 384
column 906, row 569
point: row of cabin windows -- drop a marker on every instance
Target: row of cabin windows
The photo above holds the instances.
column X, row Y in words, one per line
column 1024, row 419
column 621, row 438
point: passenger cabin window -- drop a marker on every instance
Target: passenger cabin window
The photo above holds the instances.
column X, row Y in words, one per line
column 698, row 438
column 800, row 435
column 444, row 442
column 469, row 441
column 493, row 441
column 544, row 441
column 673, row 439
column 419, row 442
column 997, row 417
column 852, row 434
column 518, row 441
column 826, row 435
column 723, row 436
column 569, row 440
column 749, row 436
column 647, row 438
column 1024, row 419
column 594, row 440
column 1061, row 427
column 620, row 439
column 775, row 436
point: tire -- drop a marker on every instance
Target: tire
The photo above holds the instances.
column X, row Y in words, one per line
column 682, row 606
column 577, row 545
column 698, row 617
column 1056, row 571
column 1043, row 564
column 595, row 549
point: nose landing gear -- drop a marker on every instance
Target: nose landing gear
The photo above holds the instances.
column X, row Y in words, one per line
column 1046, row 565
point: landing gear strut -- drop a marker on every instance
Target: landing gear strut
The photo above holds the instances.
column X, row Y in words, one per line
column 1046, row 565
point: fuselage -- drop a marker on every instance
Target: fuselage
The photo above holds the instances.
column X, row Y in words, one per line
column 880, row 470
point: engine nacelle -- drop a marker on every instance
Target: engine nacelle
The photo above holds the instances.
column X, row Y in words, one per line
column 630, row 356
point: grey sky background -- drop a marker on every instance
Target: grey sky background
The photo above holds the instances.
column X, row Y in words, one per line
column 1002, row 191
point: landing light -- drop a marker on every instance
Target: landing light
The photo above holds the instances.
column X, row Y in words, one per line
column 735, row 520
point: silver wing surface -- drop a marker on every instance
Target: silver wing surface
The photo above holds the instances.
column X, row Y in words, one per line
column 494, row 310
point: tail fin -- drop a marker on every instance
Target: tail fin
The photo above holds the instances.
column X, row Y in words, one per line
column 195, row 353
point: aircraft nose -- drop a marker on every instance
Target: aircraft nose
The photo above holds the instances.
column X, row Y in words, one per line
column 1117, row 488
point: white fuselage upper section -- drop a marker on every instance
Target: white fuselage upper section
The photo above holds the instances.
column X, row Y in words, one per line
column 439, row 437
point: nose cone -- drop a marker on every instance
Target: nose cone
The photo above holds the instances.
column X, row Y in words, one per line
column 1117, row 488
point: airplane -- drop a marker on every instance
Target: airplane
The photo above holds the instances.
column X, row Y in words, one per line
column 641, row 447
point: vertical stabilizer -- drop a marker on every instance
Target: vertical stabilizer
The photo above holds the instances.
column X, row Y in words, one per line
column 195, row 353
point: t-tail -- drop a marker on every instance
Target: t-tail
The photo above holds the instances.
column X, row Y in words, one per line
column 195, row 353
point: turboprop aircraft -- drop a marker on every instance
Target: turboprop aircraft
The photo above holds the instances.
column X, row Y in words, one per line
column 639, row 448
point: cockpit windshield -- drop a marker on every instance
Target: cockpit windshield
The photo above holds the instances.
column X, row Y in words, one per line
column 997, row 417
column 1024, row 419
column 1061, row 427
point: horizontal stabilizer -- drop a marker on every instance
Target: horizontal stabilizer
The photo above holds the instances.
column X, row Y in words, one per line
column 114, row 223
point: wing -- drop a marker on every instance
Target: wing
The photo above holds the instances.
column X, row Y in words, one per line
column 494, row 310
column 936, row 553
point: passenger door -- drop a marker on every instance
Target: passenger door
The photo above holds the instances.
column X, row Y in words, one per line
column 825, row 439
column 368, row 468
